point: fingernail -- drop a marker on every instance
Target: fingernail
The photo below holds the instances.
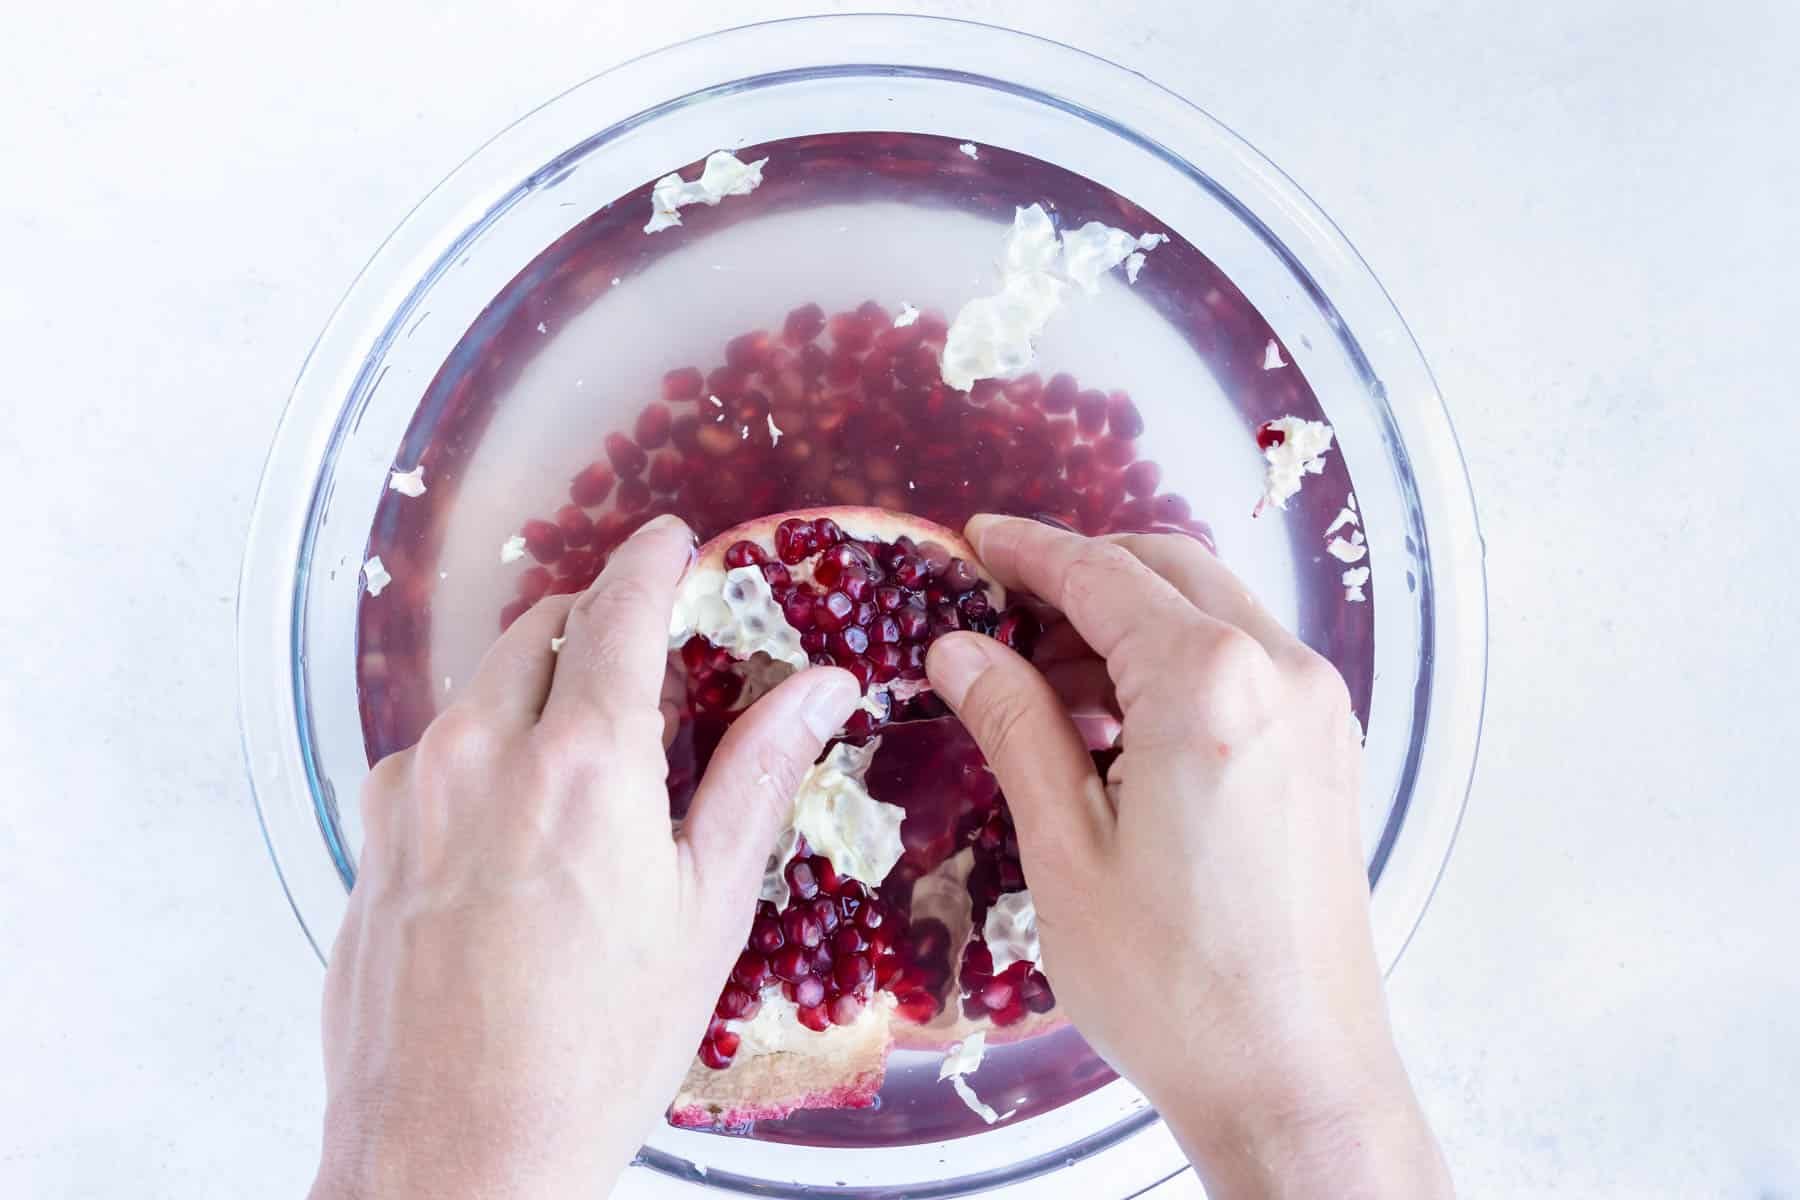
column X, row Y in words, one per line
column 665, row 521
column 829, row 703
column 954, row 663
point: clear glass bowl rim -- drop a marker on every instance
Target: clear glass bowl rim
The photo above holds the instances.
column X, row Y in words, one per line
column 335, row 380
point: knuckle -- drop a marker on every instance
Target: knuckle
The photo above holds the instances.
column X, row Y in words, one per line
column 1094, row 570
column 458, row 735
column 1319, row 682
column 620, row 593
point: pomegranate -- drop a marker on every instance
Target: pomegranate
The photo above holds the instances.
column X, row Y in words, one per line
column 859, row 588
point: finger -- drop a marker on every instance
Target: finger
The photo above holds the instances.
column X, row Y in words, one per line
column 1209, row 585
column 1106, row 592
column 747, row 793
column 514, row 675
column 1030, row 743
column 616, row 640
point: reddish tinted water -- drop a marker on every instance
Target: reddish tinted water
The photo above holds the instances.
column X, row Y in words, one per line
column 838, row 408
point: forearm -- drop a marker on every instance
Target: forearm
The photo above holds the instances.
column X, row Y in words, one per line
column 1366, row 1143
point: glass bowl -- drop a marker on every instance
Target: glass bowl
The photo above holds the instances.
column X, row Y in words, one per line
column 520, row 314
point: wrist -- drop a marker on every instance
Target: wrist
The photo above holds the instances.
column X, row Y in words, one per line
column 1360, row 1136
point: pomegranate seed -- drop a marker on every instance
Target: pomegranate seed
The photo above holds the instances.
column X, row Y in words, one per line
column 1122, row 416
column 634, row 494
column 887, row 599
column 1268, row 437
column 849, row 641
column 884, row 663
column 917, row 1007
column 1090, row 413
column 912, row 661
column 777, row 577
column 887, row 970
column 1114, row 452
column 653, row 426
column 850, row 332
column 998, row 994
column 543, row 540
column 733, row 1003
column 814, row 1018
column 1170, row 509
column 1019, row 630
column 845, row 1009
column 871, row 917
column 1141, row 478
column 791, row 963
column 682, row 384
column 913, row 622
column 684, row 435
column 1036, row 994
column 852, row 971
column 848, row 941
column 713, row 1054
column 803, row 324
column 1059, row 394
column 813, row 642
column 766, row 936
column 798, row 609
column 747, row 351
column 825, row 873
column 727, row 383
column 1078, row 467
column 575, row 525
column 826, row 533
column 591, row 487
column 534, row 585
column 626, row 456
column 750, row 972
column 744, row 554
column 809, row 991
column 801, row 929
column 821, row 961
column 825, row 912
column 802, row 880
column 833, row 613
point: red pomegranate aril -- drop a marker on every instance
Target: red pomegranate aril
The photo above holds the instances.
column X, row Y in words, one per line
column 821, row 960
column 998, row 994
column 791, row 963
column 626, row 456
column 1268, row 437
column 856, row 584
column 591, row 487
column 911, row 572
column 719, row 692
column 1036, row 994
column 766, row 936
column 1090, row 413
column 825, row 873
column 801, row 929
column 814, row 1017
column 653, row 426
column 793, row 541
column 1141, row 478
column 798, row 609
column 634, row 495
column 872, row 917
column 973, row 605
column 848, row 940
column 1019, row 630
column 888, row 599
column 1059, row 394
column 803, row 324
column 575, row 525
column 825, row 912
column 777, row 577
column 1170, row 509
column 751, row 971
column 802, row 880
column 851, row 971
column 912, row 661
column 849, row 641
column 850, row 331
column 813, row 642
column 534, row 584
column 727, row 383
column 747, row 351
column 833, row 613
column 1012, row 876
column 684, row 383
column 543, row 540
column 1114, row 452
column 888, row 968
column 918, row 1007
column 845, row 1009
column 884, row 663
column 809, row 991
column 714, row 1054
column 913, row 621
column 884, row 631
column 733, row 1003
column 744, row 554
column 1122, row 416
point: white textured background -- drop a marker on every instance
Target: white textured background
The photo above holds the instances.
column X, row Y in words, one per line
column 1587, row 213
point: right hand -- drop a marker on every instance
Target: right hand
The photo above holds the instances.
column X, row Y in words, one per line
column 1204, row 910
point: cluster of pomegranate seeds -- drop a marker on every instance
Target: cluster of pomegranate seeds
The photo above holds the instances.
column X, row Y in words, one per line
column 870, row 607
column 1021, row 988
column 848, row 409
column 828, row 951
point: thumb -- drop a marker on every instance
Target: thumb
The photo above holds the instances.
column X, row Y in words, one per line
column 1058, row 803
column 747, row 793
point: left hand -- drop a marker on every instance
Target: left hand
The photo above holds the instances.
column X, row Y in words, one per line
column 530, row 958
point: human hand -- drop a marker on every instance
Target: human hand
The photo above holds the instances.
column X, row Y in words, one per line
column 529, row 957
column 1204, row 910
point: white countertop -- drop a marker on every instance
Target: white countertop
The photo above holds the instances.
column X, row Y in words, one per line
column 1585, row 212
